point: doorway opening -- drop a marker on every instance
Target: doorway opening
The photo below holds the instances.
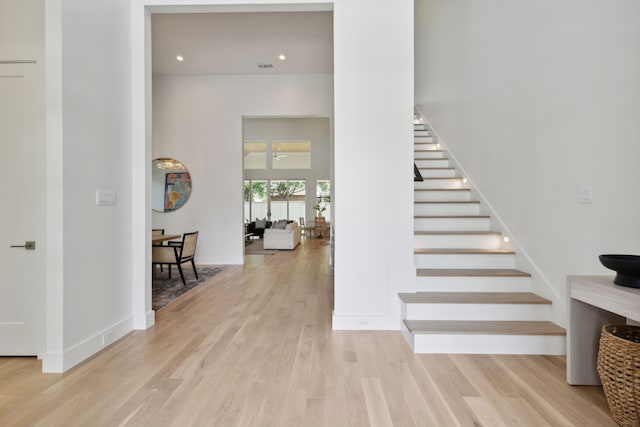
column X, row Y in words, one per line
column 194, row 114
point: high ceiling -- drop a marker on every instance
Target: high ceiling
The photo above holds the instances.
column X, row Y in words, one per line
column 243, row 43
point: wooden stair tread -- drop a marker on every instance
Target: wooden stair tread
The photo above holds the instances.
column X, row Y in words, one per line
column 484, row 327
column 456, row 233
column 472, row 298
column 436, row 169
column 470, row 272
column 461, row 251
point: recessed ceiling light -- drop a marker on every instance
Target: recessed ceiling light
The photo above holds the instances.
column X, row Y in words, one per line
column 179, row 58
column 281, row 57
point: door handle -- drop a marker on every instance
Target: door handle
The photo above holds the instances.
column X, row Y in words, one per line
column 29, row 245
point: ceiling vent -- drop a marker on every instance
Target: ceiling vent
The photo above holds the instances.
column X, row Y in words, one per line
column 265, row 65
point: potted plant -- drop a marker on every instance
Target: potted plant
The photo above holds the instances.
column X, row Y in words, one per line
column 320, row 208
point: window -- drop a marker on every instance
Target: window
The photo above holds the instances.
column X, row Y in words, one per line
column 287, row 199
column 323, row 199
column 255, row 155
column 255, row 199
column 283, row 200
column 291, row 155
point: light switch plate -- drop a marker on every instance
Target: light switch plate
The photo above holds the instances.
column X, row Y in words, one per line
column 105, row 198
column 584, row 195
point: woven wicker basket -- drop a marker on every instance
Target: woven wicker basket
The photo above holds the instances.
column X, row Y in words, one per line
column 619, row 369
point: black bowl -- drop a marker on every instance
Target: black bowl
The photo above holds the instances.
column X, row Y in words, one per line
column 627, row 268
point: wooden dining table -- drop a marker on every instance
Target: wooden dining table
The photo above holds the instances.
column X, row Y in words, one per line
column 164, row 237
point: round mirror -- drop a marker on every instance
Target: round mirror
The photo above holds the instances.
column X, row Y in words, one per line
column 171, row 185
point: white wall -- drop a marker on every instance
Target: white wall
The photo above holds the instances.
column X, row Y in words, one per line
column 373, row 69
column 89, row 149
column 198, row 120
column 536, row 100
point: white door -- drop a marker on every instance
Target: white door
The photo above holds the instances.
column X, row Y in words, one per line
column 21, row 206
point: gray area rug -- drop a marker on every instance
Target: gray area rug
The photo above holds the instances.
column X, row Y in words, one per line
column 167, row 289
column 255, row 247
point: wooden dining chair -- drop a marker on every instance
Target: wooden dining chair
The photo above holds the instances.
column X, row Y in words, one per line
column 304, row 230
column 177, row 253
column 154, row 233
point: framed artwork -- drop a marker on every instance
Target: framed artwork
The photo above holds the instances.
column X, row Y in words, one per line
column 177, row 190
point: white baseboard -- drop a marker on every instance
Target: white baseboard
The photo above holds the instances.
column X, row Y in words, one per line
column 144, row 321
column 52, row 363
column 61, row 362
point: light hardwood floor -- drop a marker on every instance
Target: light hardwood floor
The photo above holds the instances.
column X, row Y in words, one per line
column 253, row 346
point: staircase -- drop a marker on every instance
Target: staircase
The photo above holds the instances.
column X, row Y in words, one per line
column 469, row 297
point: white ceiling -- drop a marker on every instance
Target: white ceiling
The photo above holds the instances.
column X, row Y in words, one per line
column 236, row 43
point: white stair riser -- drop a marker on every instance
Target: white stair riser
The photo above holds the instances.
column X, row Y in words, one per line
column 421, row 132
column 429, row 154
column 432, row 163
column 451, row 224
column 491, row 312
column 451, row 241
column 438, row 173
column 473, row 284
column 408, row 336
column 442, row 196
column 426, row 146
column 421, row 209
column 488, row 344
column 418, row 126
column 423, row 139
column 463, row 260
column 438, row 184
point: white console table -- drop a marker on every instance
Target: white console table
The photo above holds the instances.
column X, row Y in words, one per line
column 594, row 301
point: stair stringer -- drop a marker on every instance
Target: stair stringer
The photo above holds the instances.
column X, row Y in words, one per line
column 539, row 284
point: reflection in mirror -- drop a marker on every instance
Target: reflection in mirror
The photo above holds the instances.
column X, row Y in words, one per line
column 171, row 185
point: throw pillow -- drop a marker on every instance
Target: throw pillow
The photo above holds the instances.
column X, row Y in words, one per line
column 261, row 223
column 281, row 224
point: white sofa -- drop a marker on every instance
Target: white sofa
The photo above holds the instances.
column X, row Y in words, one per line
column 287, row 238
